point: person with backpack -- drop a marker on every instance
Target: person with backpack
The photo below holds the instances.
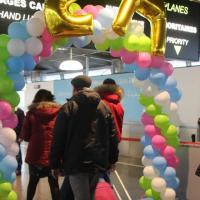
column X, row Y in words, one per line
column 84, row 139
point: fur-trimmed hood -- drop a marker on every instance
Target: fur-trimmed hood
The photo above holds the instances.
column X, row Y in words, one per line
column 110, row 89
column 44, row 109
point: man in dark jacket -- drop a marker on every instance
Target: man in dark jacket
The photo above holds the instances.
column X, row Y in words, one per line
column 84, row 140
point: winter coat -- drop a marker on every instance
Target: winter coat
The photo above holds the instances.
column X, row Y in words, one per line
column 73, row 142
column 37, row 130
column 112, row 95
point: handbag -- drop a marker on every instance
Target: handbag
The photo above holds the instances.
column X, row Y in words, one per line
column 197, row 172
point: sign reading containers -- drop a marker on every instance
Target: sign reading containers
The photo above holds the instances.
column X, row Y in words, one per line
column 17, row 10
column 182, row 41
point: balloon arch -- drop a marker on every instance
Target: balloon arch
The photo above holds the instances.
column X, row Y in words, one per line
column 29, row 41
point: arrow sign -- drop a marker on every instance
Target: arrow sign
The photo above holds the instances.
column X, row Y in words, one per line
column 177, row 49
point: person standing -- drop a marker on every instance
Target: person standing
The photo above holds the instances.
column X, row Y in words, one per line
column 20, row 116
column 37, row 130
column 112, row 95
column 84, row 139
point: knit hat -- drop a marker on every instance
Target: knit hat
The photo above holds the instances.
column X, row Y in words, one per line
column 81, row 81
column 109, row 81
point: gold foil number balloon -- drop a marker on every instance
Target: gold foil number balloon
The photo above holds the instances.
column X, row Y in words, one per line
column 154, row 11
column 62, row 23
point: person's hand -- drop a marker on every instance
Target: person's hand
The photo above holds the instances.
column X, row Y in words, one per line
column 112, row 168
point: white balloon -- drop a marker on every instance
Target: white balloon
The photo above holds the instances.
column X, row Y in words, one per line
column 162, row 99
column 158, row 184
column 35, row 27
column 110, row 34
column 135, row 28
column 13, row 149
column 1, row 124
column 98, row 39
column 150, row 89
column 97, row 28
column 39, row 14
column 150, row 172
column 168, row 194
column 7, row 137
column 146, row 161
column 33, row 46
column 105, row 17
column 16, row 47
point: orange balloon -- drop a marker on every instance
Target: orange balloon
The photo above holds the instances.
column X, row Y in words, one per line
column 61, row 23
column 154, row 11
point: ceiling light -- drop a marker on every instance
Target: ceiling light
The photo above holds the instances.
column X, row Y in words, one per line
column 70, row 65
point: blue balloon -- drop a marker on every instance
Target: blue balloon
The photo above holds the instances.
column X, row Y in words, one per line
column 142, row 74
column 169, row 173
column 175, row 94
column 2, row 152
column 82, row 41
column 19, row 81
column 173, row 183
column 129, row 67
column 150, row 152
column 8, row 164
column 157, row 77
column 169, row 84
column 16, row 30
column 160, row 163
column 145, row 140
column 10, row 177
column 29, row 62
column 15, row 64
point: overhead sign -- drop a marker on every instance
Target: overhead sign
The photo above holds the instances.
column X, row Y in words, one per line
column 17, row 10
column 182, row 41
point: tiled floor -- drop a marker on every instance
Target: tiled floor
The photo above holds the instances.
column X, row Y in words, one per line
column 124, row 179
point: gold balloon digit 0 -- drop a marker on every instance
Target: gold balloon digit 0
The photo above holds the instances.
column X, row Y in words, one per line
column 61, row 23
column 154, row 11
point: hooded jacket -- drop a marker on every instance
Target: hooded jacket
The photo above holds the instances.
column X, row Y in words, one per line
column 72, row 135
column 37, row 130
column 112, row 94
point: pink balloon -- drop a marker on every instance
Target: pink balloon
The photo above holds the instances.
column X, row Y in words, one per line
column 46, row 50
column 99, row 7
column 37, row 59
column 173, row 161
column 151, row 130
column 146, row 119
column 157, row 61
column 129, row 57
column 143, row 60
column 167, row 68
column 91, row 9
column 158, row 142
column 47, row 37
column 117, row 53
column 80, row 12
column 5, row 110
column 10, row 122
column 168, row 152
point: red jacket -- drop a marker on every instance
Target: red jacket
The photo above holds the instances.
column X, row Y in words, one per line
column 37, row 130
column 111, row 95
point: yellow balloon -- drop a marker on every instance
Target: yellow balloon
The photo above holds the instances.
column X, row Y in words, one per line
column 154, row 11
column 61, row 23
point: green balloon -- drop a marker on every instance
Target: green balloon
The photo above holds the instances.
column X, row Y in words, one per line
column 3, row 68
column 4, row 54
column 162, row 122
column 4, row 39
column 104, row 46
column 152, row 194
column 12, row 196
column 116, row 44
column 146, row 100
column 61, row 42
column 6, row 84
column 171, row 131
column 13, row 98
column 144, row 183
column 153, row 110
column 145, row 44
column 5, row 188
column 174, row 142
column 131, row 42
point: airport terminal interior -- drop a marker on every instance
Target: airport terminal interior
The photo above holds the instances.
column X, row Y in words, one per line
column 159, row 151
